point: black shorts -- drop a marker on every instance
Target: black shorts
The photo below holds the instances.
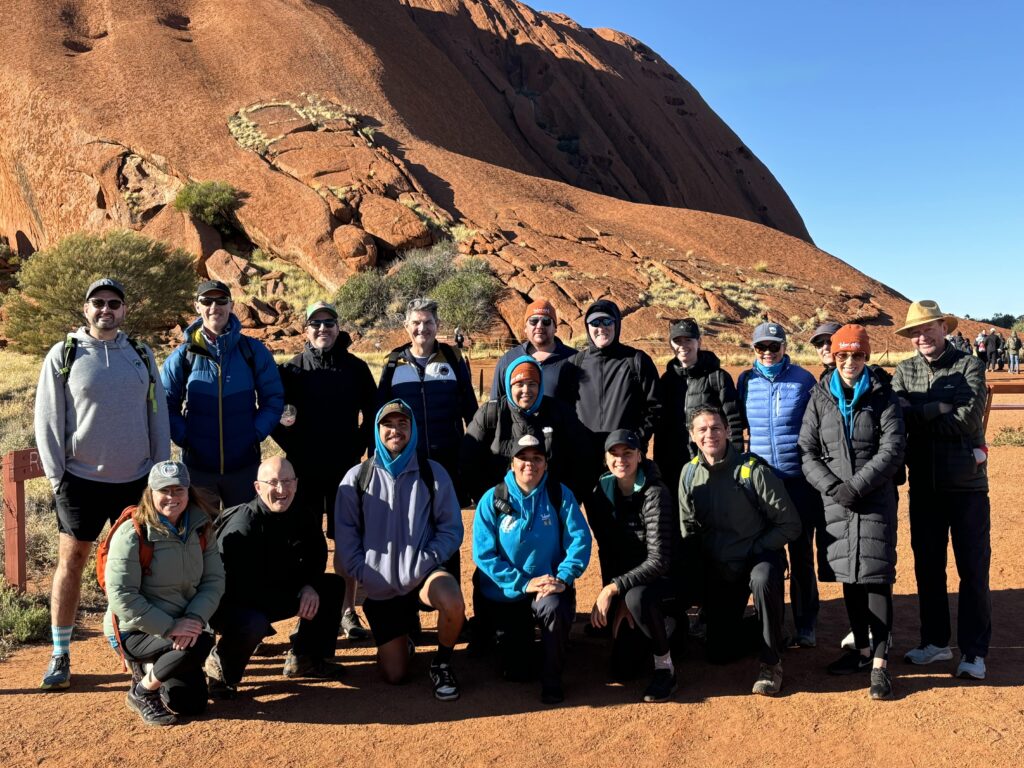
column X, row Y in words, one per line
column 84, row 506
column 399, row 615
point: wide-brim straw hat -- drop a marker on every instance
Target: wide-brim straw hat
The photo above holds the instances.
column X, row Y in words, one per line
column 926, row 311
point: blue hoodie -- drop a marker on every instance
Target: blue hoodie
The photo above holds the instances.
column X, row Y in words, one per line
column 536, row 540
column 508, row 385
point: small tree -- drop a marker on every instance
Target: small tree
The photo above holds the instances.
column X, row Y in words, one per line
column 467, row 298
column 421, row 269
column 364, row 298
column 51, row 287
column 212, row 202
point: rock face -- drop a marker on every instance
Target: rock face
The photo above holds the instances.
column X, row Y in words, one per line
column 575, row 161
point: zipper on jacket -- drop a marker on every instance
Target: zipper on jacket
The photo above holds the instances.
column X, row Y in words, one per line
column 220, row 411
column 422, row 373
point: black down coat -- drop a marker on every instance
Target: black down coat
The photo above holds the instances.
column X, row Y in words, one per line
column 861, row 537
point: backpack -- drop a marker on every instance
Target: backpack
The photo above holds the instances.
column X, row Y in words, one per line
column 71, row 345
column 503, row 501
column 453, row 358
column 189, row 358
column 145, row 560
column 743, row 477
column 366, row 474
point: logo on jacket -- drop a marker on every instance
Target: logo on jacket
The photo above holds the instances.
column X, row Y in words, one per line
column 507, row 523
column 444, row 370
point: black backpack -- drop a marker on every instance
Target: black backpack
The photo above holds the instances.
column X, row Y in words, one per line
column 366, row 474
column 71, row 346
column 503, row 501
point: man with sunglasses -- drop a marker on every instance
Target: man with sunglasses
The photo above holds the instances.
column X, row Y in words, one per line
column 224, row 396
column 335, row 398
column 543, row 345
column 773, row 397
column 821, row 340
column 100, row 424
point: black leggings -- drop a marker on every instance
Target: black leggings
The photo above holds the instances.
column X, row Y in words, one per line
column 183, row 684
column 870, row 605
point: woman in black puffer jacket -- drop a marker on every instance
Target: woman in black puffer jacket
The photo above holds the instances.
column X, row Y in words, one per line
column 851, row 444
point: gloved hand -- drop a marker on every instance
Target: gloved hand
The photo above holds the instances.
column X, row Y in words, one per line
column 844, row 495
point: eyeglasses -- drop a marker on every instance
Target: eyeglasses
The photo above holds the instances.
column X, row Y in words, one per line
column 285, row 483
column 772, row 346
column 857, row 357
column 114, row 304
column 324, row 323
column 545, row 321
column 208, row 301
column 601, row 322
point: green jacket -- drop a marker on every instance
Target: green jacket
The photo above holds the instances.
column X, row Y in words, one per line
column 1013, row 344
column 940, row 446
column 731, row 528
column 183, row 579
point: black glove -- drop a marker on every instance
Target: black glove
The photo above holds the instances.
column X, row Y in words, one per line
column 844, row 495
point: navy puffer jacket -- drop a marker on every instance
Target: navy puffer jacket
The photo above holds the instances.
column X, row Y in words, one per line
column 773, row 411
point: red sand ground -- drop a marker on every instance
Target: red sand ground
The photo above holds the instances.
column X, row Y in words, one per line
column 818, row 720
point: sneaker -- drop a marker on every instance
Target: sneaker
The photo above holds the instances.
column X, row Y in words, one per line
column 446, row 687
column 849, row 663
column 352, row 628
column 58, row 674
column 662, row 686
column 552, row 693
column 769, row 680
column 151, row 707
column 972, row 667
column 219, row 688
column 806, row 638
column 926, row 654
column 881, row 685
column 849, row 644
column 296, row 665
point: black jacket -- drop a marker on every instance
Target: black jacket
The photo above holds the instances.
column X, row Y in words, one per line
column 861, row 538
column 682, row 390
column 330, row 391
column 267, row 554
column 634, row 536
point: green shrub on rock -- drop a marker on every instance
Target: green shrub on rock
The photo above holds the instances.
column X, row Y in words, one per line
column 364, row 298
column 212, row 202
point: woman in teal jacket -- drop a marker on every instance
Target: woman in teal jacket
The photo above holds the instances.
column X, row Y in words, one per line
column 529, row 549
column 163, row 610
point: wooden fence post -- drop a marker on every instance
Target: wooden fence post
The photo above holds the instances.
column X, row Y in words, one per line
column 19, row 466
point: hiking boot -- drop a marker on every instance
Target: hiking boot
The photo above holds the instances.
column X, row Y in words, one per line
column 806, row 638
column 312, row 667
column 552, row 693
column 446, row 687
column 58, row 674
column 151, row 707
column 849, row 663
column 769, row 680
column 971, row 667
column 662, row 686
column 219, row 687
column 926, row 654
column 352, row 628
column 881, row 685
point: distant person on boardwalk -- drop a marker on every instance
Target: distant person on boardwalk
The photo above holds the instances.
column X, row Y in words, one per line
column 460, row 339
column 100, row 426
column 163, row 609
column 224, row 397
column 942, row 392
column 852, row 442
column 334, row 399
column 543, row 345
column 991, row 349
column 1013, row 345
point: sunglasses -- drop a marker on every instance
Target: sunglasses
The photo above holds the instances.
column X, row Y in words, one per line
column 601, row 322
column 772, row 346
column 209, row 301
column 324, row 323
column 114, row 304
column 826, row 342
column 545, row 321
column 857, row 357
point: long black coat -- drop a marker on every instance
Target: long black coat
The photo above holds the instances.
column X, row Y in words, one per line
column 861, row 539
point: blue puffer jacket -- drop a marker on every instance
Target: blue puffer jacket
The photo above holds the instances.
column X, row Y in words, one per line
column 773, row 411
column 223, row 427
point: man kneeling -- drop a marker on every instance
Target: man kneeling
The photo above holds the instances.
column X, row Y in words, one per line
column 274, row 560
column 397, row 520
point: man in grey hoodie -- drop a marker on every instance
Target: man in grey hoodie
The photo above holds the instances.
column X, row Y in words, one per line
column 101, row 424
column 397, row 522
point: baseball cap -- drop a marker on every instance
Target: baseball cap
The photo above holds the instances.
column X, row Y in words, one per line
column 769, row 332
column 395, row 406
column 529, row 441
column 687, row 328
column 824, row 331
column 541, row 308
column 105, row 284
column 321, row 306
column 164, row 474
column 213, row 285
column 622, row 437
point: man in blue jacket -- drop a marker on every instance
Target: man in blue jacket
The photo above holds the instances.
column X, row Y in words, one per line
column 773, row 397
column 224, row 396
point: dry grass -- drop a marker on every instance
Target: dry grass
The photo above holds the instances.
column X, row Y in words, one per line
column 1009, row 436
column 665, row 293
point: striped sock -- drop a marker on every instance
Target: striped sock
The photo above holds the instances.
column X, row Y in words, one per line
column 61, row 639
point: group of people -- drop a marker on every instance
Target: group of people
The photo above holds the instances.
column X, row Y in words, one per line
column 222, row 544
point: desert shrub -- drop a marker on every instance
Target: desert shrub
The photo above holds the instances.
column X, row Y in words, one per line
column 5, row 248
column 422, row 269
column 467, row 298
column 212, row 202
column 24, row 618
column 1009, row 436
column 761, row 266
column 364, row 298
column 51, row 287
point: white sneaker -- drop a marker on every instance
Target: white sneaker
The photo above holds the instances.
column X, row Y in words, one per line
column 849, row 644
column 972, row 667
column 926, row 654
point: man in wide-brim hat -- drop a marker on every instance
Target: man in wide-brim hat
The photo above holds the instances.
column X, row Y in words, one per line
column 942, row 391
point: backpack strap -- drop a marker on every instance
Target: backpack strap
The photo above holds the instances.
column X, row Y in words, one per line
column 365, row 475
column 744, row 478
column 70, row 346
column 503, row 501
column 69, row 357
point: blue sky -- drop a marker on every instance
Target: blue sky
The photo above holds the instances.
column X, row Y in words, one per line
column 897, row 128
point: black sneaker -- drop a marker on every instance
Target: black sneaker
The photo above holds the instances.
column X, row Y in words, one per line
column 662, row 686
column 849, row 663
column 446, row 687
column 311, row 667
column 151, row 707
column 58, row 674
column 352, row 628
column 881, row 685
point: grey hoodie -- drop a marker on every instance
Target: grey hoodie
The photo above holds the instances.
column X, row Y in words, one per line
column 99, row 424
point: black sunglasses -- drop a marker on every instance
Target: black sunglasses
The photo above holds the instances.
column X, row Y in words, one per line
column 545, row 321
column 601, row 322
column 114, row 304
column 324, row 323
column 772, row 346
column 208, row 301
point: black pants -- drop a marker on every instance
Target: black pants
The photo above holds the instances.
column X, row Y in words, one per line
column 231, row 488
column 646, row 605
column 934, row 516
column 242, row 627
column 726, row 599
column 803, row 585
column 515, row 621
column 870, row 606
column 183, row 684
column 317, row 491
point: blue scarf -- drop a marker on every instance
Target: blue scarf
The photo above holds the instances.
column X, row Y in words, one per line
column 771, row 371
column 393, row 466
column 508, row 385
column 181, row 533
column 846, row 409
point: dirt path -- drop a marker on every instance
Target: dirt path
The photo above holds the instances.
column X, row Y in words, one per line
column 818, row 721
